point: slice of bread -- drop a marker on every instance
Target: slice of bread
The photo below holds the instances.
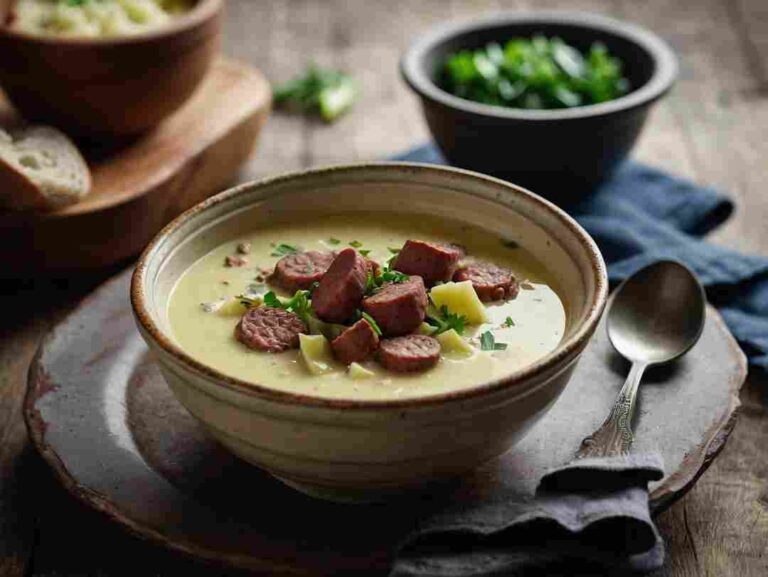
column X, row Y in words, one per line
column 40, row 169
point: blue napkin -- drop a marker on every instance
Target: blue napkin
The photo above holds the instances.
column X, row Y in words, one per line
column 642, row 215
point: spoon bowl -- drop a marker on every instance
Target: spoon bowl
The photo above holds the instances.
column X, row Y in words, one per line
column 654, row 317
column 657, row 315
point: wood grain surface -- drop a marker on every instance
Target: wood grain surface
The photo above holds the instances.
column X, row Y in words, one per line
column 711, row 128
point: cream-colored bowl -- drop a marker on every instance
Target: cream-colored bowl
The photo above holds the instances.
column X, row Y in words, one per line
column 361, row 450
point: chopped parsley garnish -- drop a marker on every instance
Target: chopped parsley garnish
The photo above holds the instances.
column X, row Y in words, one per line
column 488, row 342
column 508, row 322
column 364, row 252
column 334, row 240
column 283, row 249
column 298, row 304
column 393, row 250
column 375, row 282
column 371, row 322
column 355, row 244
column 446, row 321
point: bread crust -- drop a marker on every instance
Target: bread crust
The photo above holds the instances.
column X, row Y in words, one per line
column 19, row 190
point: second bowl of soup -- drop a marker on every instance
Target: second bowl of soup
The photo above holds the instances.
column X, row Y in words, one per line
column 360, row 330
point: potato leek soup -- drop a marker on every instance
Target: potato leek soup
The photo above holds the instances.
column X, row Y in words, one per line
column 360, row 306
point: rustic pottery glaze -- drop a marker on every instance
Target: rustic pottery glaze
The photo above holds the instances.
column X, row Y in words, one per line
column 361, row 450
column 109, row 87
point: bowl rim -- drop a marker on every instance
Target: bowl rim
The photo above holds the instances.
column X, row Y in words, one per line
column 200, row 13
column 561, row 354
column 664, row 75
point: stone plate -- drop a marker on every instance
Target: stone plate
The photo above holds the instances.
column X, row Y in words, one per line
column 101, row 416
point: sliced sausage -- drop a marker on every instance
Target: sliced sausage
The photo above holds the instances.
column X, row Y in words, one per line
column 355, row 344
column 269, row 329
column 491, row 283
column 399, row 308
column 431, row 261
column 410, row 353
column 300, row 270
column 342, row 287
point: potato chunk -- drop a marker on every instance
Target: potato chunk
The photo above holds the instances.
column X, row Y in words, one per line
column 359, row 372
column 316, row 352
column 460, row 298
column 451, row 342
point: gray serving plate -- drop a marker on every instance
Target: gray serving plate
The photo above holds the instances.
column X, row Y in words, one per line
column 100, row 414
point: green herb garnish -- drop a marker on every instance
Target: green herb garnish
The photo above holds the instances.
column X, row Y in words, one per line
column 488, row 342
column 508, row 322
column 446, row 321
column 375, row 282
column 371, row 322
column 283, row 249
column 355, row 244
column 535, row 73
column 364, row 252
column 334, row 240
column 320, row 90
column 298, row 304
column 393, row 250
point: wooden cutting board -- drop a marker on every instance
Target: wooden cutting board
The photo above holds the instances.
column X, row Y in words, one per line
column 103, row 418
column 140, row 186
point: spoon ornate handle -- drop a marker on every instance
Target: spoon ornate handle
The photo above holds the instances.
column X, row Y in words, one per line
column 614, row 437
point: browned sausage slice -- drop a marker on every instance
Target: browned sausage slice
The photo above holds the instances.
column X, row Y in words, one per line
column 410, row 353
column 299, row 271
column 399, row 308
column 355, row 344
column 432, row 262
column 269, row 329
column 342, row 287
column 491, row 283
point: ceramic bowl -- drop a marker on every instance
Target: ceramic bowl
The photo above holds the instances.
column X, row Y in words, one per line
column 560, row 153
column 362, row 450
column 111, row 87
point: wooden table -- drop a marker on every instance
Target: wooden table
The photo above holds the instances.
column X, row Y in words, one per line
column 711, row 128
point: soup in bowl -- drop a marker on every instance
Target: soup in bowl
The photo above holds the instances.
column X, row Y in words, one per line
column 360, row 330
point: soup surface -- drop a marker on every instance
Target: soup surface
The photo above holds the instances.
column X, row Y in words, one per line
column 519, row 331
column 94, row 18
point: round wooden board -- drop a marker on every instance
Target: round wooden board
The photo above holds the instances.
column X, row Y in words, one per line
column 100, row 414
column 140, row 186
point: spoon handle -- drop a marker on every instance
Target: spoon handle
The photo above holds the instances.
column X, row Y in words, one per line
column 614, row 437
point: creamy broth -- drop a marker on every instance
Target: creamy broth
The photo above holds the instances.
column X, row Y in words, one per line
column 537, row 313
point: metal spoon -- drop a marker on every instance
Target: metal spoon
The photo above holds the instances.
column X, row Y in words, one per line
column 654, row 317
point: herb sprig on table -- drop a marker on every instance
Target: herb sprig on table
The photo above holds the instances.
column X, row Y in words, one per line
column 329, row 93
column 535, row 73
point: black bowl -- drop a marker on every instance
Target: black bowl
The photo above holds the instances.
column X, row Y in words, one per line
column 547, row 150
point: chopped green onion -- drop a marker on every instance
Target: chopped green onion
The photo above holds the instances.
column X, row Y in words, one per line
column 283, row 249
column 372, row 322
